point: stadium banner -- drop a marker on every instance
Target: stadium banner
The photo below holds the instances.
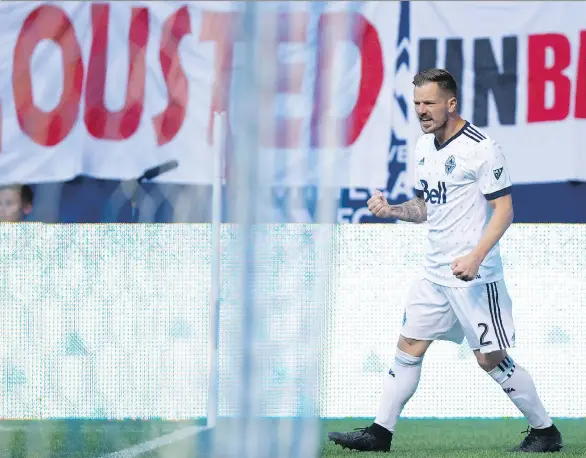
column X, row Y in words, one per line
column 77, row 98
column 110, row 89
column 522, row 80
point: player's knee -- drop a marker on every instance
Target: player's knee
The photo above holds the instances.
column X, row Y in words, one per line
column 413, row 343
column 488, row 361
column 413, row 347
column 485, row 365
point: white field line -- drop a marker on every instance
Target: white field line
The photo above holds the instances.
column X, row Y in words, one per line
column 153, row 444
column 11, row 428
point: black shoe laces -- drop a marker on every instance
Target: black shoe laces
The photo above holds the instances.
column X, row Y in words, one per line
column 530, row 437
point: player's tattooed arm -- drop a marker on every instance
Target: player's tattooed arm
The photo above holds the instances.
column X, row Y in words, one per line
column 412, row 211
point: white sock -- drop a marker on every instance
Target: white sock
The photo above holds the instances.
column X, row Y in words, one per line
column 400, row 384
column 519, row 386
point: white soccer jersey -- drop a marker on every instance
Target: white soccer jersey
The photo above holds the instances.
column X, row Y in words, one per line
column 457, row 179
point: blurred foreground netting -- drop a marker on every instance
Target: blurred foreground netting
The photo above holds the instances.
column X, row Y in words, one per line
column 277, row 283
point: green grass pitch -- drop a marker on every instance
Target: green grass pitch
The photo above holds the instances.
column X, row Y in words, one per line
column 414, row 438
column 458, row 438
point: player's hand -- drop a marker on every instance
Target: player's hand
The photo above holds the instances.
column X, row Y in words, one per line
column 379, row 206
column 466, row 267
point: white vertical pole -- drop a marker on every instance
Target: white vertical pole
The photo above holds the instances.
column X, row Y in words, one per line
column 219, row 136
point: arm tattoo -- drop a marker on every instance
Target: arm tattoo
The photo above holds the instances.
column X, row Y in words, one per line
column 413, row 211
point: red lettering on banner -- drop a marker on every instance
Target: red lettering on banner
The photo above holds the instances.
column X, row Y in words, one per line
column 220, row 28
column 290, row 28
column 539, row 75
column 47, row 128
column 48, row 22
column 332, row 30
column 580, row 110
column 168, row 123
column 100, row 122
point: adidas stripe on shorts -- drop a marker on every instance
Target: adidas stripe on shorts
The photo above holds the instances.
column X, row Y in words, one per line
column 482, row 313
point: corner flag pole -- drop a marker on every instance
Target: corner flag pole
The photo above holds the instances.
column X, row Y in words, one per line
column 219, row 136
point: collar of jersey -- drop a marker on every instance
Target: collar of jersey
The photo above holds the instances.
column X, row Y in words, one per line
column 451, row 139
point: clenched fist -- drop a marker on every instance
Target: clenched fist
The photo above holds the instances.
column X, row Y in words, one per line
column 466, row 268
column 379, row 206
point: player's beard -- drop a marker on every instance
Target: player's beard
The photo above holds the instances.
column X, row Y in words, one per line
column 433, row 126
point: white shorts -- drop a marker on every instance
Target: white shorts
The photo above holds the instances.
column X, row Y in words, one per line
column 481, row 313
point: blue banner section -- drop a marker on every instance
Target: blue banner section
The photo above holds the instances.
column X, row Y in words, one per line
column 87, row 200
column 353, row 203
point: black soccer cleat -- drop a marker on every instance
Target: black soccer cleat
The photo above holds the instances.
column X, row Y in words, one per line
column 372, row 439
column 540, row 441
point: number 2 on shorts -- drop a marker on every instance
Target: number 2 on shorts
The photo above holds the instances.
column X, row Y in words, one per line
column 482, row 342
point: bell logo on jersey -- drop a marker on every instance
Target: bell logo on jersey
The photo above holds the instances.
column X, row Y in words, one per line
column 435, row 196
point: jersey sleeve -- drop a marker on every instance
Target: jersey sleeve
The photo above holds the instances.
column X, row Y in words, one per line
column 492, row 173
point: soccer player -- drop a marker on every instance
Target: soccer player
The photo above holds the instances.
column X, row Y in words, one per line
column 16, row 201
column 463, row 191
